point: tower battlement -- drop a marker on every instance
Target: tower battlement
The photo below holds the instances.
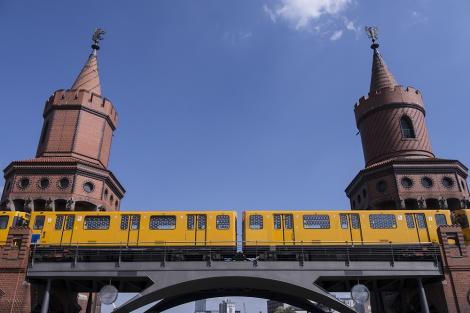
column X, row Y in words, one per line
column 83, row 98
column 387, row 96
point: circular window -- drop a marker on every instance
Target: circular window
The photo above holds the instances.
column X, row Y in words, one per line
column 382, row 186
column 88, row 186
column 63, row 183
column 111, row 199
column 116, row 204
column 44, row 183
column 106, row 194
column 406, row 182
column 426, row 182
column 24, row 183
column 447, row 182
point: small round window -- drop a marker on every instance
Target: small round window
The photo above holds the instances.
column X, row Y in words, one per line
column 406, row 182
column 88, row 186
column 447, row 182
column 382, row 186
column 64, row 183
column 24, row 183
column 426, row 182
column 44, row 183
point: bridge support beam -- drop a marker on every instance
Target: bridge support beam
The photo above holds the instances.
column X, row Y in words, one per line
column 45, row 299
column 422, row 297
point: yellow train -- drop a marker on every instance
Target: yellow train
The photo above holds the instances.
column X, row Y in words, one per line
column 273, row 230
column 11, row 219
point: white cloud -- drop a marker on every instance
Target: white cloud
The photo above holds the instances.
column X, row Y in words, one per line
column 301, row 13
column 336, row 35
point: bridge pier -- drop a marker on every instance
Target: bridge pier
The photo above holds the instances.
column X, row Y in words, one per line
column 422, row 297
column 46, row 297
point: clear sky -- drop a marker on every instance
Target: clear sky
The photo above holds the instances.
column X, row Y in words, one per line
column 241, row 104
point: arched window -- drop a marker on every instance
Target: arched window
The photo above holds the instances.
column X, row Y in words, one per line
column 406, row 126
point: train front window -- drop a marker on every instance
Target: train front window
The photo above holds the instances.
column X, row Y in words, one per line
column 343, row 220
column 4, row 221
column 355, row 221
column 190, row 222
column 421, row 220
column 201, row 222
column 256, row 221
column 163, row 222
column 382, row 221
column 316, row 221
column 96, row 222
column 440, row 219
column 409, row 220
column 39, row 222
column 124, row 222
column 135, row 222
column 59, row 221
column 462, row 220
column 222, row 222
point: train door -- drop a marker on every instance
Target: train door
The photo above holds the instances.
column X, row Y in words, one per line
column 284, row 229
column 64, row 224
column 133, row 230
column 418, row 222
column 196, row 228
column 352, row 222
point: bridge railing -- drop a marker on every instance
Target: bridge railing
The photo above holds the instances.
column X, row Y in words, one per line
column 255, row 251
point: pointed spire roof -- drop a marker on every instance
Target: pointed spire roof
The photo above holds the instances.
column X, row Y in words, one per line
column 89, row 78
column 381, row 75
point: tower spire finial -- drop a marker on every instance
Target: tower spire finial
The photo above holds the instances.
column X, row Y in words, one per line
column 372, row 33
column 97, row 37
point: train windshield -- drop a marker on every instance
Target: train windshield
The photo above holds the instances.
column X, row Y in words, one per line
column 4, row 222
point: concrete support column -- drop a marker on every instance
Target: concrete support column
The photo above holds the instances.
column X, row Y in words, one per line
column 45, row 299
column 422, row 297
column 89, row 303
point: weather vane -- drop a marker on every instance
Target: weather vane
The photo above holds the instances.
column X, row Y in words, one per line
column 372, row 33
column 97, row 37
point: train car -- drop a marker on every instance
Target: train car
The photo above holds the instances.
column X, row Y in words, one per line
column 461, row 217
column 186, row 229
column 11, row 219
column 266, row 230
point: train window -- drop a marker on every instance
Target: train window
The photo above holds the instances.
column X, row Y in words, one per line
column 223, row 222
column 59, row 221
column 135, row 222
column 39, row 222
column 69, row 222
column 190, row 222
column 440, row 219
column 316, row 221
column 124, row 222
column 256, row 222
column 421, row 220
column 462, row 220
column 4, row 221
column 409, row 220
column 96, row 222
column 201, row 222
column 355, row 221
column 343, row 220
column 277, row 221
column 288, row 221
column 163, row 222
column 382, row 221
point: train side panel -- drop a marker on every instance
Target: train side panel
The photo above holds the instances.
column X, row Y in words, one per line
column 10, row 219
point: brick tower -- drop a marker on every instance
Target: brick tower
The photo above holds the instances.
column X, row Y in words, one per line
column 70, row 170
column 401, row 170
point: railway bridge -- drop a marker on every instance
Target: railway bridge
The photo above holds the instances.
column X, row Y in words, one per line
column 305, row 282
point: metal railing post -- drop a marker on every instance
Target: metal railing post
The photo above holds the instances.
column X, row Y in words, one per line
column 347, row 256
column 75, row 259
column 392, row 262
column 119, row 257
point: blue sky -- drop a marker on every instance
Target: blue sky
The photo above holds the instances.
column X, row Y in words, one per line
column 234, row 104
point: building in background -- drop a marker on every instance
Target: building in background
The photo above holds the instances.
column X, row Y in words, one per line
column 227, row 306
column 273, row 305
column 401, row 170
column 70, row 171
column 200, row 306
